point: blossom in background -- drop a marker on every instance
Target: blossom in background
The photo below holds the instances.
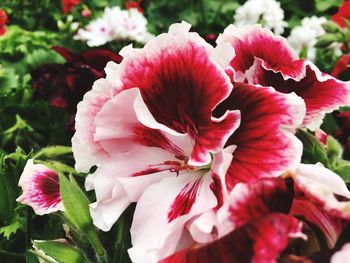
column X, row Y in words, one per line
column 264, row 59
column 116, row 24
column 41, row 189
column 268, row 13
column 342, row 14
column 68, row 5
column 134, row 4
column 3, row 21
column 341, row 66
column 149, row 127
column 305, row 36
column 64, row 85
column 343, row 134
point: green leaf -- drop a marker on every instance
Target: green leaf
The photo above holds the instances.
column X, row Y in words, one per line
column 63, row 253
column 313, row 150
column 343, row 170
column 16, row 224
column 323, row 5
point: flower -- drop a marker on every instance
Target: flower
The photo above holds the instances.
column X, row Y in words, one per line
column 342, row 14
column 63, row 86
column 134, row 4
column 304, row 37
column 116, row 24
column 41, row 188
column 68, row 5
column 266, row 12
column 343, row 133
column 341, row 66
column 342, row 255
column 161, row 129
column 264, row 59
column 260, row 217
column 3, row 21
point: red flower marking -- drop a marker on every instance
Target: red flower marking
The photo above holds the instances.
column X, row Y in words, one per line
column 184, row 201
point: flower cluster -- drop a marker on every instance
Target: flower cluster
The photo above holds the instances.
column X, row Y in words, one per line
column 266, row 12
column 304, row 37
column 182, row 129
column 116, row 24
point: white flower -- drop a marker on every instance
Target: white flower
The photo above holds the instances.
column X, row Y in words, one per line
column 116, row 24
column 305, row 35
column 266, row 12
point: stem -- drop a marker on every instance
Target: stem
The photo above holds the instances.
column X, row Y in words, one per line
column 97, row 245
column 12, row 254
column 118, row 254
column 28, row 233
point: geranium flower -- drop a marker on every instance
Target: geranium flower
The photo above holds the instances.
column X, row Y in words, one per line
column 116, row 24
column 265, row 59
column 41, row 188
column 68, row 5
column 266, row 12
column 63, row 86
column 305, row 35
column 3, row 21
column 259, row 218
column 342, row 14
column 134, row 4
column 150, row 130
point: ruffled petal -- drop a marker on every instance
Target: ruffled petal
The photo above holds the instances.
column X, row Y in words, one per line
column 253, row 41
column 324, row 188
column 181, row 83
column 260, row 240
column 321, row 92
column 41, row 189
column 87, row 152
column 253, row 200
column 162, row 212
column 265, row 148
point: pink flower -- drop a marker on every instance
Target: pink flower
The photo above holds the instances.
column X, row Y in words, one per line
column 41, row 188
column 162, row 128
column 268, row 60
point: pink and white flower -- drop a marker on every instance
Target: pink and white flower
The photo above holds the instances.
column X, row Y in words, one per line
column 41, row 188
column 268, row 60
column 162, row 128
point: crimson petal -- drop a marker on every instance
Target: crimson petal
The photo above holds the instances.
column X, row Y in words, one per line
column 264, row 149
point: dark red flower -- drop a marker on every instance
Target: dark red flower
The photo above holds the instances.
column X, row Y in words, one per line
column 342, row 14
column 64, row 85
column 341, row 66
column 68, row 5
column 3, row 21
column 134, row 4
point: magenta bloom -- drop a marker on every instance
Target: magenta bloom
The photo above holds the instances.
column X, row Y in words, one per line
column 264, row 59
column 41, row 188
column 164, row 128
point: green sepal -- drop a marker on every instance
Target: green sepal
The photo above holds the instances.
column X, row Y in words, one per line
column 61, row 252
